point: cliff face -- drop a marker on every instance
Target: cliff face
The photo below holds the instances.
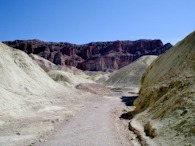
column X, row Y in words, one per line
column 95, row 56
column 167, row 96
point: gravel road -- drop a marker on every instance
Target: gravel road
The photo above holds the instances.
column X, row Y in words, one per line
column 96, row 125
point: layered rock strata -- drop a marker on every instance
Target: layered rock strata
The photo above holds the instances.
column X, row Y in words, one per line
column 95, row 56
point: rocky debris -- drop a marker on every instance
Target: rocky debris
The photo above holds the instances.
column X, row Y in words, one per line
column 95, row 56
column 18, row 133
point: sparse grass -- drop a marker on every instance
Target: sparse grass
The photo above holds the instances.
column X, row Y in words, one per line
column 167, row 95
column 151, row 132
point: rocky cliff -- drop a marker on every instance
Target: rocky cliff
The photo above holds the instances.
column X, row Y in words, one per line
column 95, row 56
column 167, row 96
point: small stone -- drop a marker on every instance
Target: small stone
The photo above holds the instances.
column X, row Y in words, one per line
column 133, row 138
column 41, row 140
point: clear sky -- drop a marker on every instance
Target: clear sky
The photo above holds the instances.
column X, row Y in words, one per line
column 83, row 21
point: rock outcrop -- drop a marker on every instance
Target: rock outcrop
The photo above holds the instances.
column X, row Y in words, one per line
column 167, row 96
column 95, row 56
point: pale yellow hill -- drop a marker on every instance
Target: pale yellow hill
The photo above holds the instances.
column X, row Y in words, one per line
column 167, row 96
column 130, row 75
column 68, row 79
column 30, row 101
column 65, row 75
column 20, row 76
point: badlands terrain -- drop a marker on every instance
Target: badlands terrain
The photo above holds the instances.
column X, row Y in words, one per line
column 130, row 75
column 166, row 103
column 41, row 103
column 46, row 103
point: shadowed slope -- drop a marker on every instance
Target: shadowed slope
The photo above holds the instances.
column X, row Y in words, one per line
column 167, row 96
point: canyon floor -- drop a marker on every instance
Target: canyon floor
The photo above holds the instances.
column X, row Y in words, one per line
column 99, row 123
column 96, row 122
column 36, row 110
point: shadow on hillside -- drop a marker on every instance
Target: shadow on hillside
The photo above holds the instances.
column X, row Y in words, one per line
column 128, row 100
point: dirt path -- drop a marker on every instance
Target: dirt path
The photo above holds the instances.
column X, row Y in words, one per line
column 96, row 125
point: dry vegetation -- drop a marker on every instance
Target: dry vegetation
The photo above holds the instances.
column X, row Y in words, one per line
column 167, row 96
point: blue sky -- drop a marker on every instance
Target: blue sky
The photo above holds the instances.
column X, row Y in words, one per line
column 83, row 21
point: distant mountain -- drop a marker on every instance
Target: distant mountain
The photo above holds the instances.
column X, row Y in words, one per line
column 166, row 104
column 95, row 56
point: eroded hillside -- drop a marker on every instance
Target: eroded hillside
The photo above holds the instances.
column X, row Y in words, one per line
column 31, row 102
column 167, row 96
column 130, row 75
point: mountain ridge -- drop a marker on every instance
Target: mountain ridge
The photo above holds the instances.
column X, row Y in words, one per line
column 94, row 56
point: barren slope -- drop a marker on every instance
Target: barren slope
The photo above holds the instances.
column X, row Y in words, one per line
column 31, row 102
column 130, row 75
column 68, row 76
column 34, row 107
column 167, row 96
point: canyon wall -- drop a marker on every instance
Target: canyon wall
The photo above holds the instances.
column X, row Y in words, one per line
column 95, row 56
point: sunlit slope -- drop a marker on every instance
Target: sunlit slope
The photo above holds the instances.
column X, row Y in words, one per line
column 22, row 82
column 167, row 96
column 68, row 79
column 130, row 75
column 65, row 75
